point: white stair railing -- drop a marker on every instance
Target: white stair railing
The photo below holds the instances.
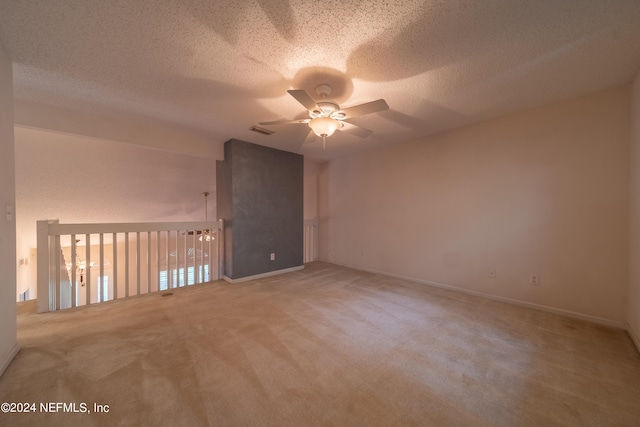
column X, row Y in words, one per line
column 310, row 252
column 121, row 260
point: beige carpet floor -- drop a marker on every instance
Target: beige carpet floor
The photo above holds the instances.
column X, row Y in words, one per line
column 323, row 346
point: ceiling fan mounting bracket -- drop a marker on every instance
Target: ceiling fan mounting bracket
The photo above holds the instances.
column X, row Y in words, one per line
column 325, row 109
column 323, row 91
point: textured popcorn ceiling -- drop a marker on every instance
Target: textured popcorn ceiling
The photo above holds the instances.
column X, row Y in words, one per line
column 219, row 67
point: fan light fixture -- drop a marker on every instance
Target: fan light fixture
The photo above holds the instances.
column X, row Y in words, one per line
column 324, row 126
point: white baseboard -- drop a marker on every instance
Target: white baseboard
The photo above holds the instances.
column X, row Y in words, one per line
column 7, row 360
column 634, row 336
column 568, row 313
column 260, row 276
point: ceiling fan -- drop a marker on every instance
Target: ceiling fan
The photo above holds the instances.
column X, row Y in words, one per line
column 325, row 117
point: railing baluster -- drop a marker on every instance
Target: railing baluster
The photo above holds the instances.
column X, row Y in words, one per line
column 74, row 289
column 177, row 258
column 148, row 261
column 169, row 275
column 138, row 262
column 57, row 271
column 220, row 251
column 309, row 242
column 158, row 260
column 206, row 271
column 176, row 276
column 44, row 266
column 213, row 257
column 196, row 268
column 101, row 277
column 87, row 267
column 186, row 258
column 310, row 251
column 205, row 259
column 309, row 236
column 126, row 264
column 193, row 254
column 202, row 239
column 52, row 272
column 115, row 266
column 210, row 258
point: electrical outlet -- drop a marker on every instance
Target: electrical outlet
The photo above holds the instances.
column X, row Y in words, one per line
column 492, row 273
column 273, row 256
column 534, row 280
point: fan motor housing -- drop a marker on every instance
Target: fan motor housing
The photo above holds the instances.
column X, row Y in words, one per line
column 325, row 109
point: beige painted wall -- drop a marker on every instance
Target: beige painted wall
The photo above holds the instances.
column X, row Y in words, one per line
column 79, row 179
column 137, row 130
column 311, row 170
column 633, row 317
column 310, row 196
column 8, row 339
column 541, row 192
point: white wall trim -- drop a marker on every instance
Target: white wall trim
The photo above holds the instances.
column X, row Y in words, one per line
column 260, row 276
column 7, row 360
column 634, row 336
column 568, row 313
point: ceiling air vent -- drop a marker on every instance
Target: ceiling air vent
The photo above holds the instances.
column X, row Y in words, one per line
column 261, row 130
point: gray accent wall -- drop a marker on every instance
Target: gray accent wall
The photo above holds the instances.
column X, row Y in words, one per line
column 259, row 194
column 8, row 274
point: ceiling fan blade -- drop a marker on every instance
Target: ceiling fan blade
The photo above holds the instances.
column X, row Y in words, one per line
column 303, row 98
column 355, row 130
column 366, row 108
column 286, row 122
column 310, row 138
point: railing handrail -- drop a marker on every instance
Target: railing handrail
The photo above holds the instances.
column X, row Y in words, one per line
column 130, row 227
column 311, row 221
